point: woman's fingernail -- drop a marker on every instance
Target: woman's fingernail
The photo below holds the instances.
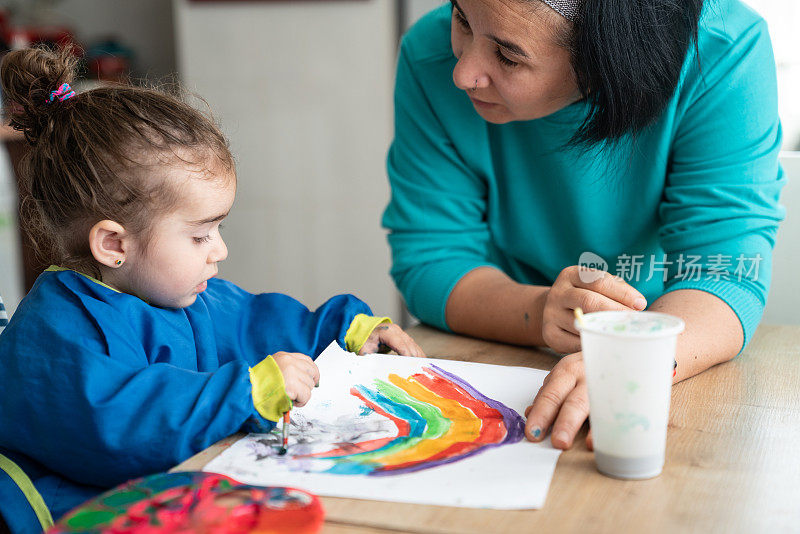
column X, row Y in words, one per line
column 562, row 437
column 640, row 303
column 536, row 432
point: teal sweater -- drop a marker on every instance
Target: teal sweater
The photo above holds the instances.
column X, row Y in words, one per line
column 691, row 203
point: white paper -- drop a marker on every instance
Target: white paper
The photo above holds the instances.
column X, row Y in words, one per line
column 480, row 470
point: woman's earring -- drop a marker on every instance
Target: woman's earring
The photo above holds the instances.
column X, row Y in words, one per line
column 118, row 263
column 476, row 85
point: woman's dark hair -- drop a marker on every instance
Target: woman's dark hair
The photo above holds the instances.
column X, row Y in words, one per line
column 98, row 155
column 627, row 56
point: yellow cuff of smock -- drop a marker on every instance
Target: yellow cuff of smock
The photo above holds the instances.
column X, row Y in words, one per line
column 360, row 330
column 269, row 390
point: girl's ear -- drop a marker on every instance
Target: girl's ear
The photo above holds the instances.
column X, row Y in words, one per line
column 108, row 242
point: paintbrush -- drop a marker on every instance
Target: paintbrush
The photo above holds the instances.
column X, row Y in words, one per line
column 285, row 434
column 579, row 316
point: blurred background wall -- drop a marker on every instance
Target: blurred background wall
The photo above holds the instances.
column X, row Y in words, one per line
column 146, row 27
column 304, row 92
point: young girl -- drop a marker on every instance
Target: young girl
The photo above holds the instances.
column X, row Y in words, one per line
column 128, row 356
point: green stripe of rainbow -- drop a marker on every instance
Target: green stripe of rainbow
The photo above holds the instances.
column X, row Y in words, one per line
column 440, row 419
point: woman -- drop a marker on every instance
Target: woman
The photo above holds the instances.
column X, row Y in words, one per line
column 533, row 136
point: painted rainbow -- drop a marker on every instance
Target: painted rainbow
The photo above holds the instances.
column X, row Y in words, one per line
column 440, row 419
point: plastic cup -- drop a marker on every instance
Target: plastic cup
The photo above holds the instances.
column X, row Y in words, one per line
column 629, row 358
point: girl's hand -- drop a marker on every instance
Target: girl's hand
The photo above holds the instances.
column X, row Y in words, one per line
column 588, row 289
column 387, row 337
column 562, row 402
column 300, row 375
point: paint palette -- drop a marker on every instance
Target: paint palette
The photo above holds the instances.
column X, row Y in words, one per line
column 195, row 502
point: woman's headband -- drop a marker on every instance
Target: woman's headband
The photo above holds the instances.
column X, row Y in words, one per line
column 566, row 8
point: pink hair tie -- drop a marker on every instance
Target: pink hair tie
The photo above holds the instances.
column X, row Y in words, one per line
column 62, row 93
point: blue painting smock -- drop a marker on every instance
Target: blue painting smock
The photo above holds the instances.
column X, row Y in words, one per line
column 99, row 387
column 690, row 203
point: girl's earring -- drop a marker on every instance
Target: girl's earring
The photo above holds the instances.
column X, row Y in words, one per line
column 118, row 263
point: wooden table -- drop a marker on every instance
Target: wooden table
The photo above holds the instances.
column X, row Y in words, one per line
column 733, row 457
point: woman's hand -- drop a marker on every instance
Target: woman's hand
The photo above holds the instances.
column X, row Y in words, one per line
column 588, row 289
column 562, row 402
column 387, row 337
column 300, row 375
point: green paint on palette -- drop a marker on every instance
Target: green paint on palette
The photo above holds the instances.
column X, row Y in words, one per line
column 124, row 497
column 619, row 327
column 632, row 386
column 89, row 519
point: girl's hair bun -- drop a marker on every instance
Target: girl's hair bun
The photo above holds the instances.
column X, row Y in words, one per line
column 28, row 77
